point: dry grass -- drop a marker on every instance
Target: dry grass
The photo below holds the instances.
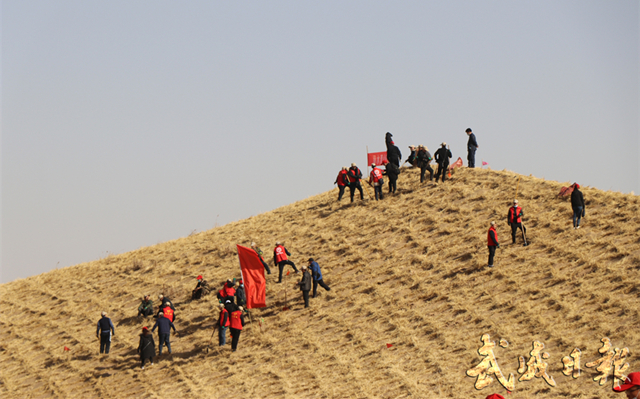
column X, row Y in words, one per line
column 409, row 271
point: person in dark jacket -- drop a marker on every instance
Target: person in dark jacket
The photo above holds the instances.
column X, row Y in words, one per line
column 164, row 326
column 223, row 323
column 236, row 323
column 316, row 274
column 255, row 247
column 354, row 174
column 200, row 288
column 342, row 181
column 514, row 217
column 105, row 331
column 146, row 307
column 305, row 285
column 393, row 152
column 442, row 158
column 229, row 305
column 164, row 299
column 413, row 161
column 241, row 296
column 146, row 347
column 280, row 259
column 391, row 171
column 492, row 242
column 577, row 204
column 472, row 146
column 424, row 161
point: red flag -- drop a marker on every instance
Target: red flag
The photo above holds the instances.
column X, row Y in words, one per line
column 376, row 157
column 458, row 163
column 288, row 271
column 66, row 349
column 485, row 163
column 255, row 284
column 389, row 345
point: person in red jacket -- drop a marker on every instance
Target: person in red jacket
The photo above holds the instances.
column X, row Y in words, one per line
column 228, row 290
column 514, row 217
column 375, row 178
column 492, row 242
column 342, row 181
column 355, row 175
column 223, row 323
column 236, row 323
column 280, row 259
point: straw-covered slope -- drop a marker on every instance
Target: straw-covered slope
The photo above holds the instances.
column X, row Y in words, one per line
column 409, row 271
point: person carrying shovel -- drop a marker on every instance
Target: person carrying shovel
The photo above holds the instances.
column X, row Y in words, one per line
column 514, row 217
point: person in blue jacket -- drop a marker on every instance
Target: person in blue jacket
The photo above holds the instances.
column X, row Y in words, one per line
column 104, row 332
column 317, row 277
column 164, row 332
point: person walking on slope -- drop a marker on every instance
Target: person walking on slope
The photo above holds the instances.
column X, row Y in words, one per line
column 236, row 323
column 146, row 347
column 305, row 285
column 199, row 290
column 280, row 259
column 424, row 160
column 259, row 252
column 342, row 181
column 355, row 175
column 164, row 326
column 393, row 152
column 392, row 171
column 577, row 204
column 316, row 273
column 168, row 310
column 442, row 158
column 472, row 146
column 375, row 178
column 105, row 331
column 412, row 156
column 223, row 323
column 514, row 217
column 146, row 307
column 492, row 242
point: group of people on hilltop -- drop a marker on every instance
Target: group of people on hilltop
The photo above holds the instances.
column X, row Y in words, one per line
column 419, row 157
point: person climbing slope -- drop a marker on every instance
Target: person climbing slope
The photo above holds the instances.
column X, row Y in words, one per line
column 492, row 242
column 280, row 259
column 342, row 181
column 577, row 205
column 375, row 178
column 355, row 175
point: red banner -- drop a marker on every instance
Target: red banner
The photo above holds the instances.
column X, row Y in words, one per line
column 456, row 164
column 376, row 157
column 255, row 284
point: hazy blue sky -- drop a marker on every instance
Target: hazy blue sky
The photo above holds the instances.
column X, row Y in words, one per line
column 128, row 123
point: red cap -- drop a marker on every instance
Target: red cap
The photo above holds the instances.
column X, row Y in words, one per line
column 385, row 162
column 632, row 380
column 145, row 328
column 240, row 281
column 577, row 185
column 199, row 278
column 495, row 396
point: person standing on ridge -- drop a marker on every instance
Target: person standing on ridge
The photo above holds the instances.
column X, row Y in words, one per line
column 577, row 204
column 492, row 242
column 472, row 146
column 424, row 160
column 305, row 285
column 146, row 347
column 442, row 158
column 514, row 217
column 164, row 326
column 393, row 152
column 342, row 181
column 375, row 178
column 392, row 171
column 105, row 331
column 259, row 252
column 412, row 156
column 223, row 323
column 236, row 323
column 280, row 259
column 316, row 273
column 355, row 175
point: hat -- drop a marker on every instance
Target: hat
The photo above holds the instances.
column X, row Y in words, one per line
column 199, row 278
column 240, row 281
column 444, row 143
column 253, row 244
column 493, row 223
column 104, row 313
column 240, row 308
column 353, row 164
column 344, row 168
column 577, row 185
column 145, row 328
column 633, row 379
column 310, row 259
column 304, row 267
column 160, row 296
column 220, row 305
column 495, row 396
column 515, row 201
column 277, row 242
column 373, row 165
column 160, row 314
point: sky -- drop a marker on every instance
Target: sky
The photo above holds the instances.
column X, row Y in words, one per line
column 130, row 123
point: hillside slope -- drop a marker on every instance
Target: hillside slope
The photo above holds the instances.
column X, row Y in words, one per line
column 409, row 271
